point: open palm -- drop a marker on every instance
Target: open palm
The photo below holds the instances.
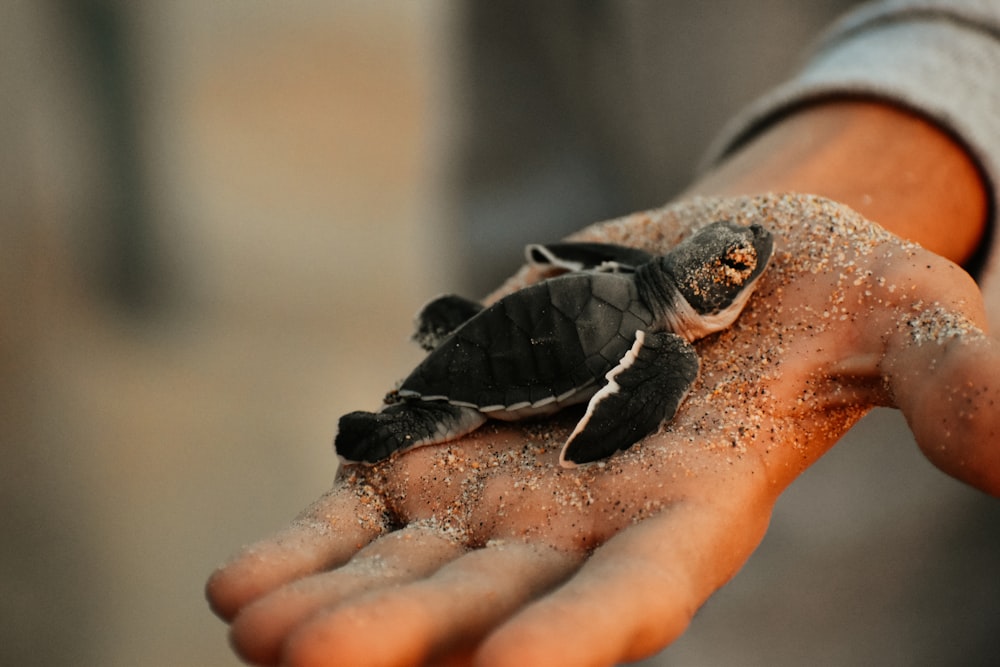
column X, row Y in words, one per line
column 486, row 550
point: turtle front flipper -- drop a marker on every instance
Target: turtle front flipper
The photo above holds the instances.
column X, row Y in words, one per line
column 571, row 256
column 644, row 389
column 369, row 437
column 439, row 318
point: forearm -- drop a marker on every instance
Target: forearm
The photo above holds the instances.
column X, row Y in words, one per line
column 888, row 164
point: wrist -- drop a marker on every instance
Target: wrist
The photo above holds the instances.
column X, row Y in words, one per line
column 890, row 165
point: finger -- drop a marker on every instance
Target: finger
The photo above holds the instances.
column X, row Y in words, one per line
column 945, row 377
column 326, row 534
column 259, row 631
column 437, row 617
column 636, row 594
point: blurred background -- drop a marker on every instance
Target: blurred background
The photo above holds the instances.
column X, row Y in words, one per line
column 216, row 221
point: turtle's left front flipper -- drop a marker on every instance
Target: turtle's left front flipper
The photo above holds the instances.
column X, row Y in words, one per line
column 644, row 389
column 577, row 256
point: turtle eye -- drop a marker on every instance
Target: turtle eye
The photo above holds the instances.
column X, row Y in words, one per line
column 738, row 263
column 735, row 263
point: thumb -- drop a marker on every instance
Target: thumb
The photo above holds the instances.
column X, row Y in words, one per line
column 943, row 373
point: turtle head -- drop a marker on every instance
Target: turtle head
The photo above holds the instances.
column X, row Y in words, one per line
column 715, row 270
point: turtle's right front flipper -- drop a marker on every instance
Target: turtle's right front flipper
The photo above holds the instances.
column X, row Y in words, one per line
column 644, row 389
column 369, row 437
column 439, row 318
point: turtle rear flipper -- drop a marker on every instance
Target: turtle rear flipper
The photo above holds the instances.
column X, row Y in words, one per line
column 645, row 388
column 586, row 256
column 439, row 318
column 369, row 437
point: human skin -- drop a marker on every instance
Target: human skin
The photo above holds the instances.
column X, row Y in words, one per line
column 485, row 551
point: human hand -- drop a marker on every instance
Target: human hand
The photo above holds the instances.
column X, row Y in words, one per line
column 486, row 550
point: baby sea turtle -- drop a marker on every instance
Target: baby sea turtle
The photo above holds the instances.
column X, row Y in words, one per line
column 615, row 329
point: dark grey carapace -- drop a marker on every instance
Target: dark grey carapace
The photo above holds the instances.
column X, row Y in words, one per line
column 614, row 329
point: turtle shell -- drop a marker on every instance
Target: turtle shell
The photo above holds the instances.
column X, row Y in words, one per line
column 537, row 349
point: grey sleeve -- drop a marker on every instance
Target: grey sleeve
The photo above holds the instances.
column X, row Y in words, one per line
column 938, row 58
